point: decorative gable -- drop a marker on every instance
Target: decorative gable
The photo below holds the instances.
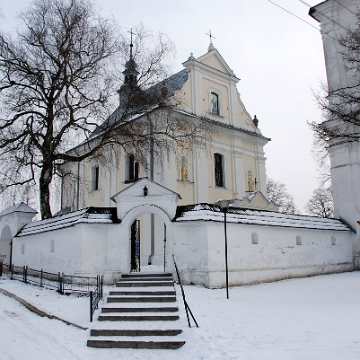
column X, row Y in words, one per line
column 146, row 192
column 213, row 59
column 256, row 200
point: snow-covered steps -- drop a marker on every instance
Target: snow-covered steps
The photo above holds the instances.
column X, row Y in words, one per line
column 139, row 309
column 139, row 343
column 145, row 280
column 124, row 323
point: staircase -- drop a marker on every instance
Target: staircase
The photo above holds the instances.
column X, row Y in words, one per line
column 141, row 314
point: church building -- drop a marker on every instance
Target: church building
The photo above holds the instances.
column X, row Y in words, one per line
column 230, row 165
column 120, row 213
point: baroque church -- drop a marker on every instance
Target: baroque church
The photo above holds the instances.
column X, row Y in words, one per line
column 121, row 215
column 230, row 166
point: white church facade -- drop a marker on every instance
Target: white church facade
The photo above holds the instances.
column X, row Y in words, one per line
column 122, row 216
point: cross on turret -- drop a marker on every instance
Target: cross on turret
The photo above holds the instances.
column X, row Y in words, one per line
column 211, row 36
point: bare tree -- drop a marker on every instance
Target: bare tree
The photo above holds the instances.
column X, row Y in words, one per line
column 277, row 193
column 57, row 80
column 341, row 107
column 321, row 203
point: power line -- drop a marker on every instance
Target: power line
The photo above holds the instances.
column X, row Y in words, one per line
column 327, row 17
column 289, row 12
column 306, row 22
column 345, row 7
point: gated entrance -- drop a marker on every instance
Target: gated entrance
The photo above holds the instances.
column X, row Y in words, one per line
column 135, row 246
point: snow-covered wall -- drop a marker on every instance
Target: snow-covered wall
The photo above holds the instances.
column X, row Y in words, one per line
column 85, row 242
column 283, row 247
column 262, row 246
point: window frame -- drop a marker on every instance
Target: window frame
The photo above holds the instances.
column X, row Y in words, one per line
column 221, row 167
column 95, row 177
column 131, row 169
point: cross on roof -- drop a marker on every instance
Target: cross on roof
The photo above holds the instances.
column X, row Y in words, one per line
column 211, row 36
column 131, row 34
column 131, row 41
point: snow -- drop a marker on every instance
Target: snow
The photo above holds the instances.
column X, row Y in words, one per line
column 62, row 221
column 309, row 318
column 258, row 217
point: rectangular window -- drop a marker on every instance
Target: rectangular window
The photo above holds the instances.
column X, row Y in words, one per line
column 218, row 169
column 95, row 178
column 132, row 169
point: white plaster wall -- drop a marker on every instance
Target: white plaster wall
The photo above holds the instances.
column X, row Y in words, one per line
column 84, row 249
column 275, row 257
column 198, row 246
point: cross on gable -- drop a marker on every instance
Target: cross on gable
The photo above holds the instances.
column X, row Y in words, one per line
column 211, row 36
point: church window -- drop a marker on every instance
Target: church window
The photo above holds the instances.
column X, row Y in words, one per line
column 219, row 170
column 52, row 246
column 132, row 169
column 298, row 240
column 184, row 171
column 214, row 103
column 95, row 178
column 254, row 238
column 22, row 248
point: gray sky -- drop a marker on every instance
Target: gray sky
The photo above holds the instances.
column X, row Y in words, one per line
column 278, row 58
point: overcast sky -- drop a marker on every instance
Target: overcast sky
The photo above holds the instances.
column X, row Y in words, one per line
column 278, row 58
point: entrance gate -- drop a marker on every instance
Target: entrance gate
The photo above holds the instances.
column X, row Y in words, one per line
column 135, row 246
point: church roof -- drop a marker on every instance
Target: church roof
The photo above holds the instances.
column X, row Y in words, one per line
column 20, row 207
column 173, row 83
column 206, row 212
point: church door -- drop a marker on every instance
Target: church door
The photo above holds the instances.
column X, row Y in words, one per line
column 135, row 246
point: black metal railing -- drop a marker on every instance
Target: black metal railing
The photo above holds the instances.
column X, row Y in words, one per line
column 187, row 307
column 62, row 283
column 4, row 268
column 95, row 296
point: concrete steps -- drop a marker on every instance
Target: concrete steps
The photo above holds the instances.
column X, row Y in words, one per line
column 151, row 325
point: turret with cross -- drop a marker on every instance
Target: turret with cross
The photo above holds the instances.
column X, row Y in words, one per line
column 211, row 36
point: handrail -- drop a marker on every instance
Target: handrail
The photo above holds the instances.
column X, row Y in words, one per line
column 187, row 307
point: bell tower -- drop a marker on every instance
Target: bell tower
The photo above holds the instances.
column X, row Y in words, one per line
column 130, row 76
column 336, row 19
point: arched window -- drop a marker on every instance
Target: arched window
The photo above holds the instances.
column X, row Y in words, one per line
column 22, row 248
column 214, row 103
column 184, row 170
column 333, row 240
column 298, row 240
column 219, row 170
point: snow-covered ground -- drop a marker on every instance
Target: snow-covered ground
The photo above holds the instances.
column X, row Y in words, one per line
column 311, row 318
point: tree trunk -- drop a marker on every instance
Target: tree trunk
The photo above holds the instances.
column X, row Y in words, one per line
column 45, row 180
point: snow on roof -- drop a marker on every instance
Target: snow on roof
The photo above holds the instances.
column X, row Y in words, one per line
column 20, row 207
column 204, row 212
column 87, row 215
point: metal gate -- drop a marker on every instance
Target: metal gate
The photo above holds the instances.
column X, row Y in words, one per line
column 135, row 246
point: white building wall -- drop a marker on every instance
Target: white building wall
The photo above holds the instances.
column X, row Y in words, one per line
column 201, row 258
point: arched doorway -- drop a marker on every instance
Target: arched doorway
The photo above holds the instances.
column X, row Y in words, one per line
column 150, row 239
column 5, row 244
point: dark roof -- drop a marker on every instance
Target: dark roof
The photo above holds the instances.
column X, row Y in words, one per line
column 173, row 83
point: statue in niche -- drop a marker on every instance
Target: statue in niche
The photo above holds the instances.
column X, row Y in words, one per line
column 184, row 171
column 214, row 104
column 250, row 184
